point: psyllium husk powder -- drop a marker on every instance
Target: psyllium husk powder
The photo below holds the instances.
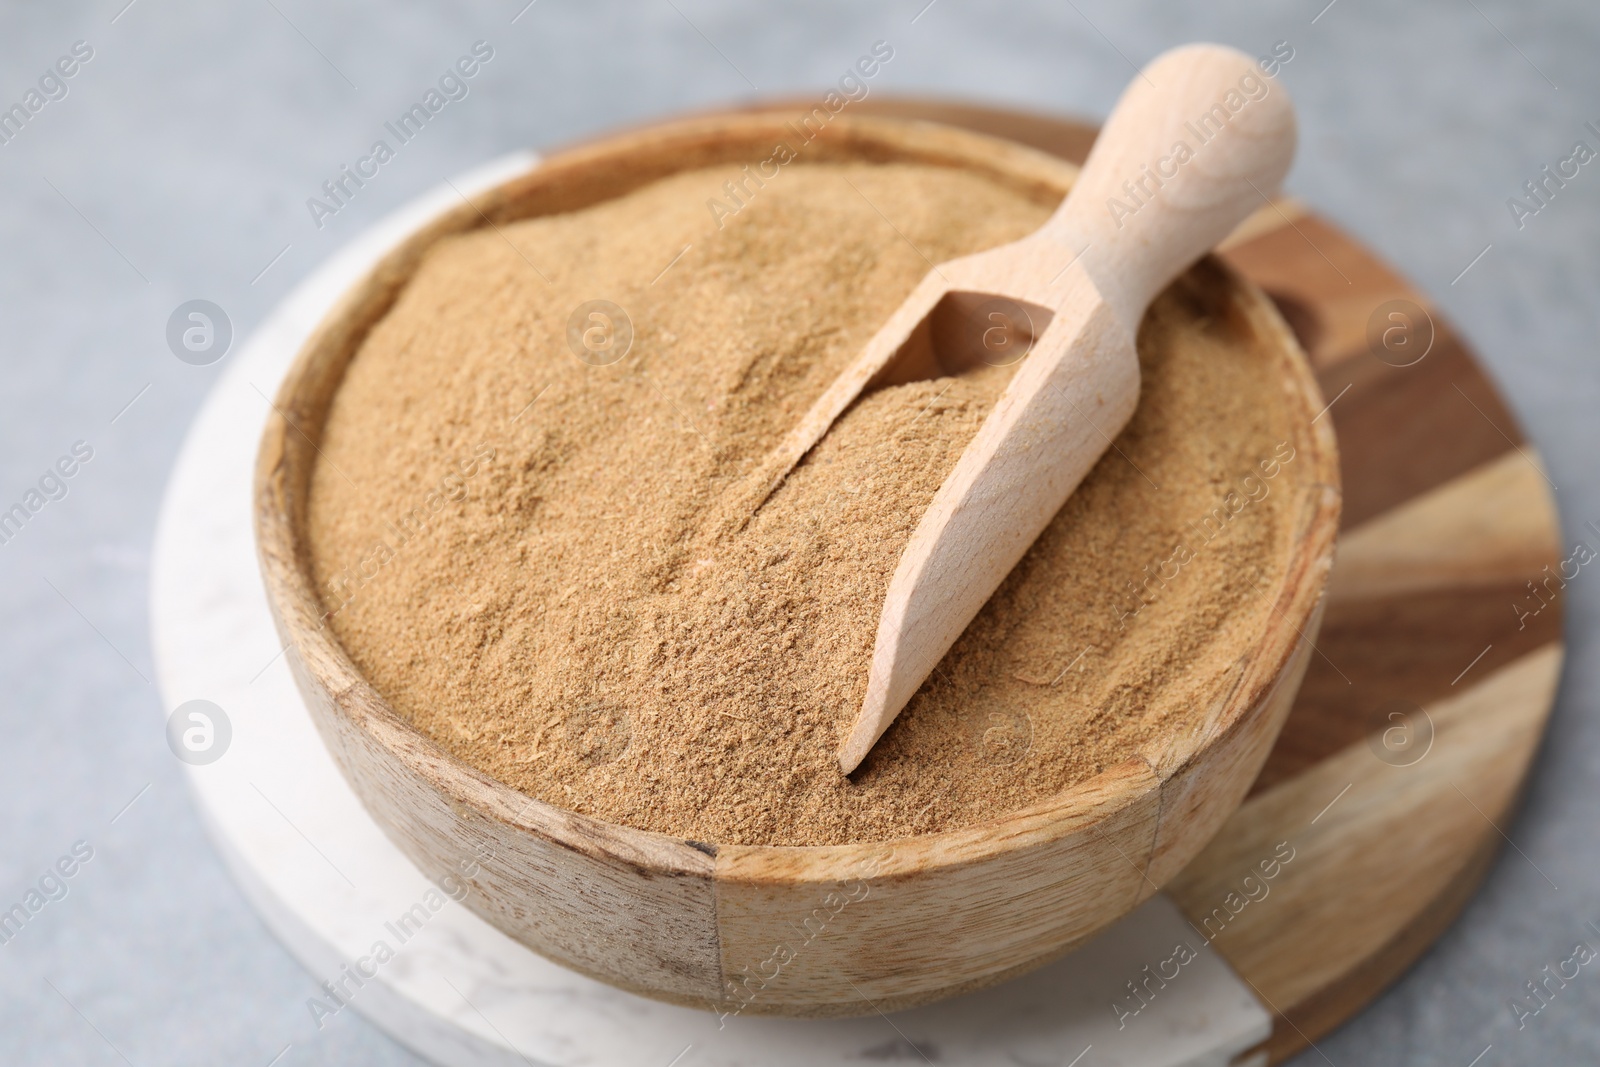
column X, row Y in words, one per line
column 533, row 548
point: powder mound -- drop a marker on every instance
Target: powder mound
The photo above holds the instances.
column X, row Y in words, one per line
column 528, row 554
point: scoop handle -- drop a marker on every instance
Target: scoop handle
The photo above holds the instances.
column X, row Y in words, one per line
column 1197, row 142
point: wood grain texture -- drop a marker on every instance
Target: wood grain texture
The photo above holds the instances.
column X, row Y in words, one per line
column 1400, row 837
column 1493, row 525
column 1140, row 212
column 1403, row 429
column 679, row 920
column 1419, row 594
column 1448, row 519
column 1008, row 896
column 637, row 909
column 1059, row 413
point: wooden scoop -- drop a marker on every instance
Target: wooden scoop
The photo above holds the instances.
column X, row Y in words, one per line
column 1199, row 140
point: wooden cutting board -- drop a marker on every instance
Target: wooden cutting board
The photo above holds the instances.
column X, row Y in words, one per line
column 1397, row 773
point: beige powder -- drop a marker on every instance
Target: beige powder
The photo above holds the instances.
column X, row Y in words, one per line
column 526, row 554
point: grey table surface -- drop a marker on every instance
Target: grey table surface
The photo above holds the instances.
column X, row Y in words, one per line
column 178, row 164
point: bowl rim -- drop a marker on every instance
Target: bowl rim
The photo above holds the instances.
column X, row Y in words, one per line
column 566, row 181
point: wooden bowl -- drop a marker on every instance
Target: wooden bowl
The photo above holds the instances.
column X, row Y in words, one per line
column 828, row 930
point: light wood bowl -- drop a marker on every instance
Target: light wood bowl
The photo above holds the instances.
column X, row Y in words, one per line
column 828, row 930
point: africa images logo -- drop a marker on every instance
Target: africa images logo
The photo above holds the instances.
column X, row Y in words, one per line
column 452, row 86
column 52, row 86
